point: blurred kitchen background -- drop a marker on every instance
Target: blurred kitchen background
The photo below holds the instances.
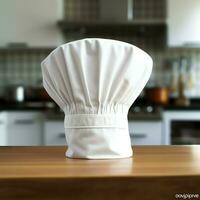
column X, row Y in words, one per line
column 168, row 109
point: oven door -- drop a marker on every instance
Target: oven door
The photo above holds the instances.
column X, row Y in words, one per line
column 185, row 132
column 182, row 127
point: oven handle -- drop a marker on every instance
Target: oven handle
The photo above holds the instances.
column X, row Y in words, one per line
column 61, row 135
column 138, row 135
column 24, row 121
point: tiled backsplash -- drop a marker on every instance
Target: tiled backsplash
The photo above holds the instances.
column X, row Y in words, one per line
column 24, row 67
column 20, row 67
column 89, row 9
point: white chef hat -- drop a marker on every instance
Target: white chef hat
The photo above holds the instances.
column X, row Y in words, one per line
column 95, row 81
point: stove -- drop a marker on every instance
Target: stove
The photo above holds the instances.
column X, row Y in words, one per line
column 145, row 112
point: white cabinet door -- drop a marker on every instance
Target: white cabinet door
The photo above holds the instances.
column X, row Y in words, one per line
column 3, row 138
column 54, row 133
column 183, row 21
column 23, row 128
column 145, row 133
column 30, row 21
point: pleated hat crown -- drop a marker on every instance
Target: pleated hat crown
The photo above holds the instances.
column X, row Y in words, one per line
column 95, row 81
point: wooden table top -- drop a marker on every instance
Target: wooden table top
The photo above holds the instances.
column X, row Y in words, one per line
column 147, row 161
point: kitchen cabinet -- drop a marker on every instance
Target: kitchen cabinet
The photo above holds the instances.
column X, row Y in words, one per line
column 183, row 23
column 141, row 133
column 31, row 22
column 146, row 132
column 54, row 133
column 21, row 128
column 101, row 18
column 108, row 13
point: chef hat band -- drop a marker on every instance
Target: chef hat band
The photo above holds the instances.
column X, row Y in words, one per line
column 96, row 121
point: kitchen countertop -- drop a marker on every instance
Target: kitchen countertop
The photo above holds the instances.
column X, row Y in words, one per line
column 182, row 108
column 32, row 106
column 154, row 172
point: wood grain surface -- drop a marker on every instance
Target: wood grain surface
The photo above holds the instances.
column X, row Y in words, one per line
column 154, row 172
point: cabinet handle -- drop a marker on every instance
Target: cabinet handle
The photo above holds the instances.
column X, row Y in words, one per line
column 138, row 135
column 24, row 121
column 61, row 135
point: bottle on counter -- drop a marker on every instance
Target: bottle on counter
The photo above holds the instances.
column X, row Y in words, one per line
column 191, row 83
column 182, row 100
column 174, row 77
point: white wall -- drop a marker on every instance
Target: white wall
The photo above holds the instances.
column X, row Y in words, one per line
column 183, row 22
column 30, row 21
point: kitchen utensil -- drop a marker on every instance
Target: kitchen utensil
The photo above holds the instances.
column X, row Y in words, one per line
column 157, row 95
column 174, row 77
column 182, row 99
column 15, row 93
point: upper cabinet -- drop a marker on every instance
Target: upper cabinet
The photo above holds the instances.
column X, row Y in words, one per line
column 30, row 21
column 140, row 22
column 183, row 18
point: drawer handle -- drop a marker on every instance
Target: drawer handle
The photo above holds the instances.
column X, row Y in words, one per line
column 138, row 135
column 61, row 135
column 24, row 121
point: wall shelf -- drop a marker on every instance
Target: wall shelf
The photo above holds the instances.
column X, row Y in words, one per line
column 98, row 28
